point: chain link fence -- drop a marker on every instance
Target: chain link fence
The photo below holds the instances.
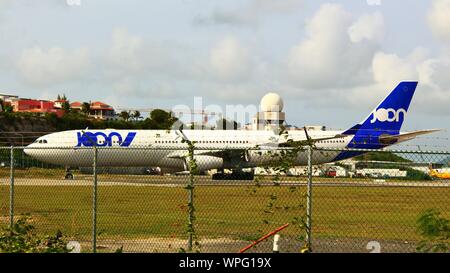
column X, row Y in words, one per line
column 369, row 203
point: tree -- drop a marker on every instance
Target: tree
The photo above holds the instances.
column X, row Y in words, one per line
column 8, row 109
column 1, row 105
column 435, row 231
column 59, row 97
column 86, row 108
column 136, row 115
column 162, row 119
column 384, row 156
column 225, row 124
column 125, row 115
column 66, row 106
column 22, row 238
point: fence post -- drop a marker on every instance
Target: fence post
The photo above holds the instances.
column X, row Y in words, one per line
column 11, row 190
column 94, row 202
column 309, row 201
column 190, row 189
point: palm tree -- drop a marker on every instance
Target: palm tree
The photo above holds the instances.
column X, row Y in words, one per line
column 86, row 108
column 125, row 115
column 136, row 115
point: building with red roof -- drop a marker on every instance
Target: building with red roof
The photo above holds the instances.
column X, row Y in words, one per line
column 100, row 110
column 77, row 106
column 59, row 104
column 97, row 110
column 36, row 106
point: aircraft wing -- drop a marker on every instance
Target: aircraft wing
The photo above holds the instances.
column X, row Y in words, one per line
column 217, row 153
column 180, row 154
column 388, row 139
column 306, row 142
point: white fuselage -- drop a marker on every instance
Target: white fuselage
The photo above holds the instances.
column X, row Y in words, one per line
column 166, row 148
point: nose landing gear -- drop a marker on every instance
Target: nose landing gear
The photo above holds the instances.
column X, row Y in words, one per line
column 69, row 175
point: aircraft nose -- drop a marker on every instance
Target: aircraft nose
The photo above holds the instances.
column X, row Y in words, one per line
column 28, row 150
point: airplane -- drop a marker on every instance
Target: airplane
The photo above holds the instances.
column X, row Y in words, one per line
column 233, row 150
column 435, row 174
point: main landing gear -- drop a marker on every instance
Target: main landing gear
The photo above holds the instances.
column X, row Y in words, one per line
column 234, row 175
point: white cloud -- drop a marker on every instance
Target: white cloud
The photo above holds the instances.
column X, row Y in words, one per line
column 390, row 69
column 229, row 60
column 248, row 14
column 126, row 50
column 439, row 19
column 439, row 71
column 433, row 94
column 337, row 62
column 4, row 4
column 133, row 55
column 369, row 26
column 139, row 88
column 328, row 57
column 40, row 67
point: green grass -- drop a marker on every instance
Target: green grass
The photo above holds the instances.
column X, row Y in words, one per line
column 33, row 173
column 58, row 173
column 235, row 212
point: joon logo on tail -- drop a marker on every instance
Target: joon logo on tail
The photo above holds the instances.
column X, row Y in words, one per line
column 101, row 139
column 388, row 115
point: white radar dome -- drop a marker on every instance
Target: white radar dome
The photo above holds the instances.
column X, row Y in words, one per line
column 272, row 102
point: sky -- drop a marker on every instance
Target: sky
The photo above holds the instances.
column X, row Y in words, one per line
column 331, row 61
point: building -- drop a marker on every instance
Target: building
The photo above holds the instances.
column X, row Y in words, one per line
column 97, row 110
column 271, row 115
column 59, row 104
column 76, row 106
column 10, row 98
column 7, row 100
column 35, row 106
column 103, row 111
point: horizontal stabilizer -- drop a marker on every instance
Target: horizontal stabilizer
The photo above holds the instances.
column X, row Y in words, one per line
column 308, row 141
column 389, row 139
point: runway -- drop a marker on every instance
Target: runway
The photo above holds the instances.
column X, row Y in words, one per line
column 181, row 181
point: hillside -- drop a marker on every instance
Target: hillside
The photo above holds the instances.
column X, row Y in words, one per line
column 381, row 156
column 24, row 128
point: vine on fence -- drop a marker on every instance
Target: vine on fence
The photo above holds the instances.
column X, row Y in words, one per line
column 21, row 238
column 193, row 170
column 282, row 160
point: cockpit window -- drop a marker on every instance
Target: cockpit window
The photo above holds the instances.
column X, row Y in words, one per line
column 41, row 141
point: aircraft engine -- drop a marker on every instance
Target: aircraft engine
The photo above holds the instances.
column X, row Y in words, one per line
column 205, row 163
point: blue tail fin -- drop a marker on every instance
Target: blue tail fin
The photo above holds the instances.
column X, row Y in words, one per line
column 389, row 115
column 386, row 119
